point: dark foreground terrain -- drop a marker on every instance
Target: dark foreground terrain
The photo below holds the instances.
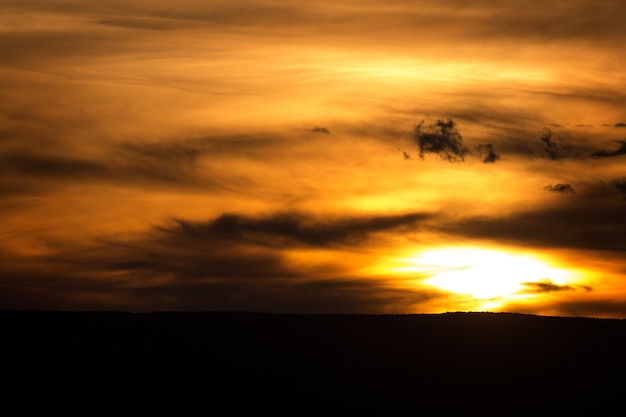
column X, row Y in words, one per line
column 253, row 364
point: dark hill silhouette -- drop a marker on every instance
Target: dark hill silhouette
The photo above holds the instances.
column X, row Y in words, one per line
column 233, row 363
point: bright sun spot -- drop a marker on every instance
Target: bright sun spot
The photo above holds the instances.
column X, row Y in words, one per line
column 482, row 273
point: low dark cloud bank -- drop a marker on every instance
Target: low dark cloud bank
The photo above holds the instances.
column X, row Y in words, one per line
column 231, row 262
column 237, row 262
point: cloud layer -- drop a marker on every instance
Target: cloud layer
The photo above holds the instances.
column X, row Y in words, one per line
column 117, row 116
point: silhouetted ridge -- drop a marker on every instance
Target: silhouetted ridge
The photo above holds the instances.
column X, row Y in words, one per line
column 233, row 363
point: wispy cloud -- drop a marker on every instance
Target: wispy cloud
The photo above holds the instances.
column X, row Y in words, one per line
column 138, row 164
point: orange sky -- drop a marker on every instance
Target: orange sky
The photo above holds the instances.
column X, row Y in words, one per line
column 266, row 156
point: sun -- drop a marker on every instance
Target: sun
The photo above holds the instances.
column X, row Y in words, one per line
column 482, row 273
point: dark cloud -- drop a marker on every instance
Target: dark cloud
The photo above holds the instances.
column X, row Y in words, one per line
column 586, row 223
column 289, row 229
column 607, row 154
column 441, row 138
column 545, row 286
column 560, row 188
column 621, row 124
column 549, row 146
column 487, row 153
column 319, row 129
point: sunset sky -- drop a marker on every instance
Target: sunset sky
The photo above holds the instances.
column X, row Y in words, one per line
column 315, row 156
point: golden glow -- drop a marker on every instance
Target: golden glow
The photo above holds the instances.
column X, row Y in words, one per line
column 483, row 273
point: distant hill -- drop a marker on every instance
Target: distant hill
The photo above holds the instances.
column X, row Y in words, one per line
column 237, row 363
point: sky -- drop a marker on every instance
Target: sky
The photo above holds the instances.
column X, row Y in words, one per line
column 319, row 156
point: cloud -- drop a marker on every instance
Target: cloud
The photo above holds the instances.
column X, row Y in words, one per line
column 441, row 138
column 487, row 153
column 621, row 124
column 289, row 229
column 594, row 224
column 607, row 154
column 319, row 129
column 545, row 286
column 560, row 188
column 549, row 146
column 173, row 164
column 55, row 166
